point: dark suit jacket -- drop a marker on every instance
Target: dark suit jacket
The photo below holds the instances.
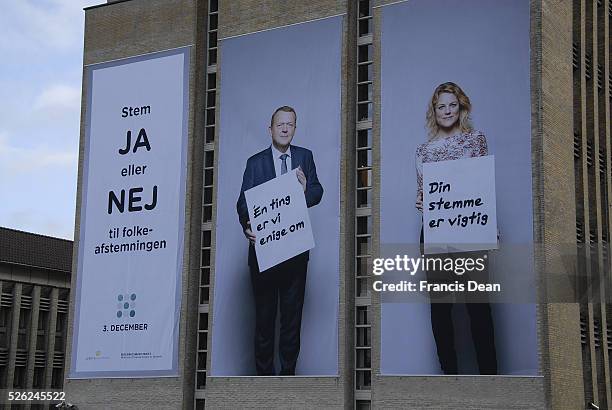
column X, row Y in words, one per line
column 260, row 169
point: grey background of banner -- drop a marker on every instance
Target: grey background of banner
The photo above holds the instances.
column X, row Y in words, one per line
column 484, row 47
column 298, row 66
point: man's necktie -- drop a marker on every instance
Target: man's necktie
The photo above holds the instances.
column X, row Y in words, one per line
column 284, row 164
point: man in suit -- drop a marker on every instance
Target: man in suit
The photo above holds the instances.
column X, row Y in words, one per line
column 282, row 285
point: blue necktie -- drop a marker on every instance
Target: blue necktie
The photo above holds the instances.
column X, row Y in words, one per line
column 284, row 164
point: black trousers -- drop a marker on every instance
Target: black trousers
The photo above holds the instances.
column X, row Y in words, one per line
column 483, row 337
column 481, row 321
column 279, row 288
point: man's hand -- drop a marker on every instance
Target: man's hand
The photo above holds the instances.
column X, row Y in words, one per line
column 301, row 177
column 249, row 234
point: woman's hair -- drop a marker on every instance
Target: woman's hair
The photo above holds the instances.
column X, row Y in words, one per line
column 465, row 107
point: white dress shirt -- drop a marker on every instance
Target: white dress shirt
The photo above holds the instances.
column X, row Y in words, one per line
column 276, row 156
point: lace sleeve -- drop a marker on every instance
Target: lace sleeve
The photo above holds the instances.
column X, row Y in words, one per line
column 480, row 145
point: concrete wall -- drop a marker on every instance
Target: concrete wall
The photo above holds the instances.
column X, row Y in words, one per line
column 37, row 276
column 555, row 191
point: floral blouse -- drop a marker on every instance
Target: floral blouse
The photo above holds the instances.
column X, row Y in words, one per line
column 466, row 145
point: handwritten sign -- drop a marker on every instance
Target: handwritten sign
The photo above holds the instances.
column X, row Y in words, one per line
column 279, row 219
column 459, row 212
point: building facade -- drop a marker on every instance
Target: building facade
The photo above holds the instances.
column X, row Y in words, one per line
column 570, row 93
column 35, row 275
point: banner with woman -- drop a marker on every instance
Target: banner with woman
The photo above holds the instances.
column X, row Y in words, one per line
column 455, row 86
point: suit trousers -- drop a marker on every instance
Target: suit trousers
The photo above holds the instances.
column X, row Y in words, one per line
column 280, row 288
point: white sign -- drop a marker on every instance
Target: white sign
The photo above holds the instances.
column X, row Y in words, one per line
column 459, row 211
column 132, row 218
column 279, row 219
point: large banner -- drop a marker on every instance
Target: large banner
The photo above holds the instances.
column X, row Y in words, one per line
column 280, row 318
column 455, row 86
column 132, row 218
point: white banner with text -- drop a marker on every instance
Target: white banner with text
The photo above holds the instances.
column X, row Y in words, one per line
column 130, row 253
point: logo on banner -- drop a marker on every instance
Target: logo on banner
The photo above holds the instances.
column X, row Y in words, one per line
column 97, row 356
column 126, row 306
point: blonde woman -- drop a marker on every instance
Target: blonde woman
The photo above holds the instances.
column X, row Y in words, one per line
column 451, row 137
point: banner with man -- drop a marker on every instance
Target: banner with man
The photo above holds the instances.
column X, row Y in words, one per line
column 275, row 293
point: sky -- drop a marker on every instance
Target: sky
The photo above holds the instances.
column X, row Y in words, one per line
column 41, row 49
